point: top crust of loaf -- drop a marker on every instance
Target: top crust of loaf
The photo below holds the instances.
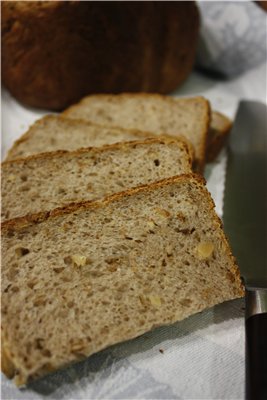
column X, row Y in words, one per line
column 31, row 6
column 106, row 62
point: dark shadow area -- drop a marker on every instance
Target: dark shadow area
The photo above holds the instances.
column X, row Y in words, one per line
column 212, row 74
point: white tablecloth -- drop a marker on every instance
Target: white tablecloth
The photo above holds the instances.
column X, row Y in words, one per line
column 201, row 357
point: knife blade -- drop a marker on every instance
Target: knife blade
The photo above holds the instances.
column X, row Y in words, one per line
column 245, row 224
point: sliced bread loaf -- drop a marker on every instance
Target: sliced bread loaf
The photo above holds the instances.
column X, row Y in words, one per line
column 49, row 180
column 78, row 279
column 189, row 117
column 55, row 52
column 54, row 132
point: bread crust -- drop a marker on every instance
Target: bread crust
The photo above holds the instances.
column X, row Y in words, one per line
column 112, row 47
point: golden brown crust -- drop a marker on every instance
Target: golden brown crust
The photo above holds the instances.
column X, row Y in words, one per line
column 234, row 271
column 41, row 71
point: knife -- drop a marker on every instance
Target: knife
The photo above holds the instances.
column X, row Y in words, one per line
column 245, row 224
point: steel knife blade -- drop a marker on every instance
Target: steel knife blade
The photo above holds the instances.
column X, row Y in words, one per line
column 245, row 224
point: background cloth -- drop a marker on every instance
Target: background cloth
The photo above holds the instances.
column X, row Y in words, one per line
column 233, row 37
column 201, row 357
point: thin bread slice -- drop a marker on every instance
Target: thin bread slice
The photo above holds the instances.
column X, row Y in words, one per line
column 220, row 127
column 159, row 114
column 49, row 180
column 53, row 132
column 79, row 279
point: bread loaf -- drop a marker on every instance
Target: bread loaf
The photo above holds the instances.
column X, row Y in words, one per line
column 56, row 52
column 189, row 117
column 84, row 277
column 50, row 180
column 52, row 133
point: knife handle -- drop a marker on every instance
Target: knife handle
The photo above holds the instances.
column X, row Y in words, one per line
column 256, row 345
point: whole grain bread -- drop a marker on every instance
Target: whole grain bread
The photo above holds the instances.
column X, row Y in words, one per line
column 79, row 279
column 220, row 127
column 55, row 52
column 189, row 117
column 54, row 132
column 49, row 180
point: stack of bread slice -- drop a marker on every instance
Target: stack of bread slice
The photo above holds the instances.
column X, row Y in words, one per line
column 55, row 179
column 106, row 119
column 103, row 243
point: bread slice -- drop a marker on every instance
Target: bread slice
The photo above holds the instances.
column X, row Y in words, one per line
column 159, row 114
column 49, row 180
column 81, row 278
column 220, row 127
column 54, row 132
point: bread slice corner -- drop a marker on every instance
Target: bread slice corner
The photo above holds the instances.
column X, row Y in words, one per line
column 220, row 127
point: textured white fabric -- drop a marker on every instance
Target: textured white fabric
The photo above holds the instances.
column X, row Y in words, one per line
column 232, row 36
column 201, row 357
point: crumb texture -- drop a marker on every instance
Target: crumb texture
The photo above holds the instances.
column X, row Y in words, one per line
column 52, row 133
column 54, row 180
column 98, row 274
column 159, row 114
